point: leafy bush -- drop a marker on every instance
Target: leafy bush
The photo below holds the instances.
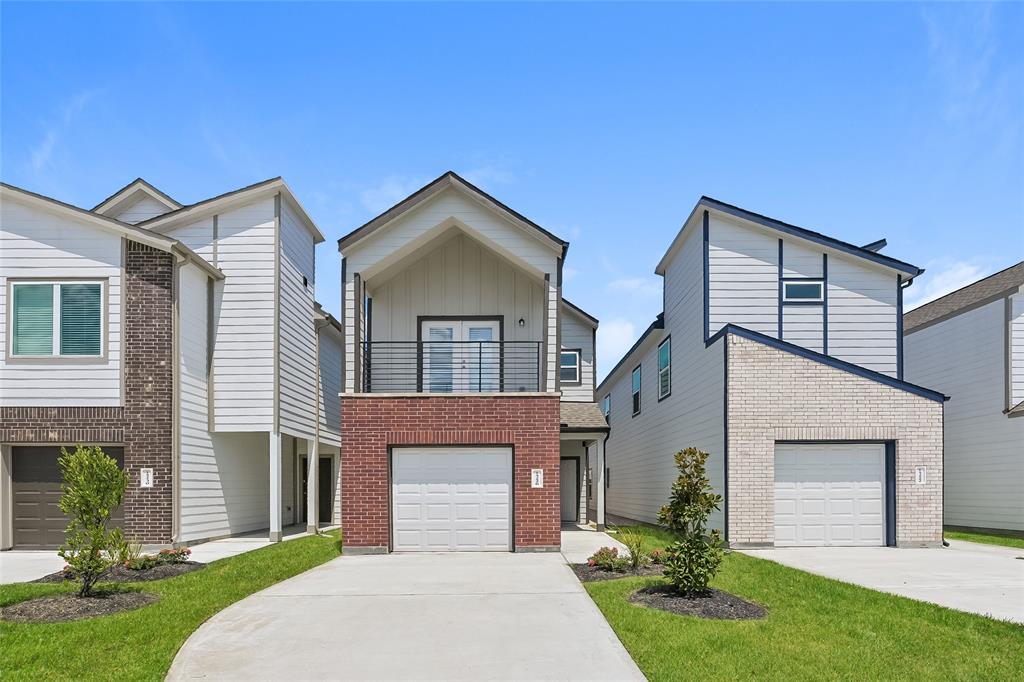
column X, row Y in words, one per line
column 122, row 550
column 634, row 542
column 143, row 562
column 657, row 556
column 93, row 487
column 608, row 559
column 692, row 561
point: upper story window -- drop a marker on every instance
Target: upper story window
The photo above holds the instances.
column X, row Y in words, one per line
column 665, row 368
column 606, row 405
column 803, row 292
column 636, row 391
column 56, row 319
column 569, row 367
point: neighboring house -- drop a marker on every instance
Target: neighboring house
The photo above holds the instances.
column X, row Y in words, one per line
column 779, row 353
column 970, row 345
column 468, row 415
column 184, row 340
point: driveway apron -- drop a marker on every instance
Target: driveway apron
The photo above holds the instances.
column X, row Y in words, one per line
column 458, row 616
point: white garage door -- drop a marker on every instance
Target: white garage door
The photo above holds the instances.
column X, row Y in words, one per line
column 451, row 499
column 829, row 494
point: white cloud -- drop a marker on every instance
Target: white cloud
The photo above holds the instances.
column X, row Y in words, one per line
column 388, row 192
column 42, row 153
column 614, row 338
column 636, row 286
column 942, row 277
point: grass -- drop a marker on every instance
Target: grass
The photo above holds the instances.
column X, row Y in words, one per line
column 816, row 628
column 654, row 538
column 140, row 645
column 990, row 538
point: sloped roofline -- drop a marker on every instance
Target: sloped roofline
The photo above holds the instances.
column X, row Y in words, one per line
column 706, row 202
column 968, row 297
column 447, row 179
column 136, row 184
column 161, row 222
column 581, row 312
column 137, row 234
column 659, row 323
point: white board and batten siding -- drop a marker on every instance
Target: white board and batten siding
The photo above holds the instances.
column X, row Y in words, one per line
column 297, row 353
column 964, row 358
column 39, row 244
column 640, row 449
column 578, row 334
column 743, row 269
column 144, row 208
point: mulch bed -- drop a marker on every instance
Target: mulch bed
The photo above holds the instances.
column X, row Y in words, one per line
column 713, row 604
column 65, row 607
column 120, row 574
column 588, row 574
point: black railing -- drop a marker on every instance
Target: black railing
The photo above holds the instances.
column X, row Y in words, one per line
column 451, row 366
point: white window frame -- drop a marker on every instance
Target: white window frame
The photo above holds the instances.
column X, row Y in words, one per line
column 55, row 340
column 667, row 369
column 578, row 381
column 635, row 394
column 821, row 291
column 606, row 405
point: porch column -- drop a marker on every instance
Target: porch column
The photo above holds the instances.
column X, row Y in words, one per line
column 599, row 466
column 312, row 487
column 275, row 487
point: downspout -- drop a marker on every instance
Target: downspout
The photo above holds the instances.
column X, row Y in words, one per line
column 176, row 399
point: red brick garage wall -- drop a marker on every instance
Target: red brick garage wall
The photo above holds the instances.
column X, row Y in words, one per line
column 370, row 425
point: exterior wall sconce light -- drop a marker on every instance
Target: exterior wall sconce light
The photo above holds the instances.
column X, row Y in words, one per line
column 522, row 322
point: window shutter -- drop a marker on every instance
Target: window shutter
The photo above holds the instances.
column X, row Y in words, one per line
column 33, row 319
column 80, row 319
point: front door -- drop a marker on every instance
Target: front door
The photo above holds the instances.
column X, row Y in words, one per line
column 461, row 356
column 324, row 494
column 569, row 477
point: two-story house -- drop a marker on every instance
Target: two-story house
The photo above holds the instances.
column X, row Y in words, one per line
column 184, row 339
column 970, row 345
column 468, row 411
column 779, row 352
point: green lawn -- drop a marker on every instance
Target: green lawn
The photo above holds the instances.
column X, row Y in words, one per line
column 816, row 628
column 986, row 538
column 140, row 645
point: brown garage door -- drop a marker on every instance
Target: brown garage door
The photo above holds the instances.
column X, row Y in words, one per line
column 38, row 520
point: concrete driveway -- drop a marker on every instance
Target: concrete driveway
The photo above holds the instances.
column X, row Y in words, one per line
column 967, row 576
column 459, row 616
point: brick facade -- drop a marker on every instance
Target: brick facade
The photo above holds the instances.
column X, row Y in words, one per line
column 371, row 425
column 775, row 395
column 144, row 425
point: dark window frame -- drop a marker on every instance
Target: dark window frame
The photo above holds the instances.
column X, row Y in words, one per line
column 636, row 388
column 668, row 340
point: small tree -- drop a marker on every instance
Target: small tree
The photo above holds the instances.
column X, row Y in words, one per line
column 692, row 561
column 93, row 487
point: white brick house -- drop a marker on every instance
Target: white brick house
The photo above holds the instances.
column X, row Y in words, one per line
column 779, row 353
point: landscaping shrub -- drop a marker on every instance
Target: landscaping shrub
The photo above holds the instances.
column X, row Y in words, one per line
column 657, row 556
column 93, row 487
column 164, row 556
column 634, row 542
column 692, row 561
column 608, row 558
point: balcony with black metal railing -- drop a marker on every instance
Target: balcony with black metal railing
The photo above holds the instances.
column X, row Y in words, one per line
column 452, row 367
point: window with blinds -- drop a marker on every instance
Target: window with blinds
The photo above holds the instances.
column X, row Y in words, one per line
column 62, row 319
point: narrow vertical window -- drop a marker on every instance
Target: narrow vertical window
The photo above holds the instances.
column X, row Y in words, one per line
column 665, row 369
column 606, row 405
column 636, row 391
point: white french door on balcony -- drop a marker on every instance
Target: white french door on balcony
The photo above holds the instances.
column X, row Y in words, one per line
column 461, row 356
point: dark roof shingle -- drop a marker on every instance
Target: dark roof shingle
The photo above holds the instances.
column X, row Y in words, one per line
column 983, row 291
column 578, row 416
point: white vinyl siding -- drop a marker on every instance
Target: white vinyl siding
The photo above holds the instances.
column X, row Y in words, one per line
column 330, row 385
column 964, row 357
column 1016, row 342
column 743, row 267
column 297, row 354
column 862, row 314
column 804, row 325
column 144, row 208
column 38, row 244
column 579, row 335
column 640, row 449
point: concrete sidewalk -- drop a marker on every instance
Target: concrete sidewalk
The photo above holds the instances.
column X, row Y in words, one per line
column 457, row 616
column 984, row 579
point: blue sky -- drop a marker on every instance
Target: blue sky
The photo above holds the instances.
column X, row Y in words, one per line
column 603, row 123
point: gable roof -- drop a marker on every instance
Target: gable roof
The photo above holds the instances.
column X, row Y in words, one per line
column 431, row 189
column 133, row 232
column 991, row 288
column 135, row 186
column 212, row 204
column 581, row 417
column 580, row 311
column 706, row 202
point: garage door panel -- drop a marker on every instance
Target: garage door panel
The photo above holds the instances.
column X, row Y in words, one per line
column 462, row 497
column 829, row 494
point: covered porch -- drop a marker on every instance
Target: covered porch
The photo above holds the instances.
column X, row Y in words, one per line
column 582, row 470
